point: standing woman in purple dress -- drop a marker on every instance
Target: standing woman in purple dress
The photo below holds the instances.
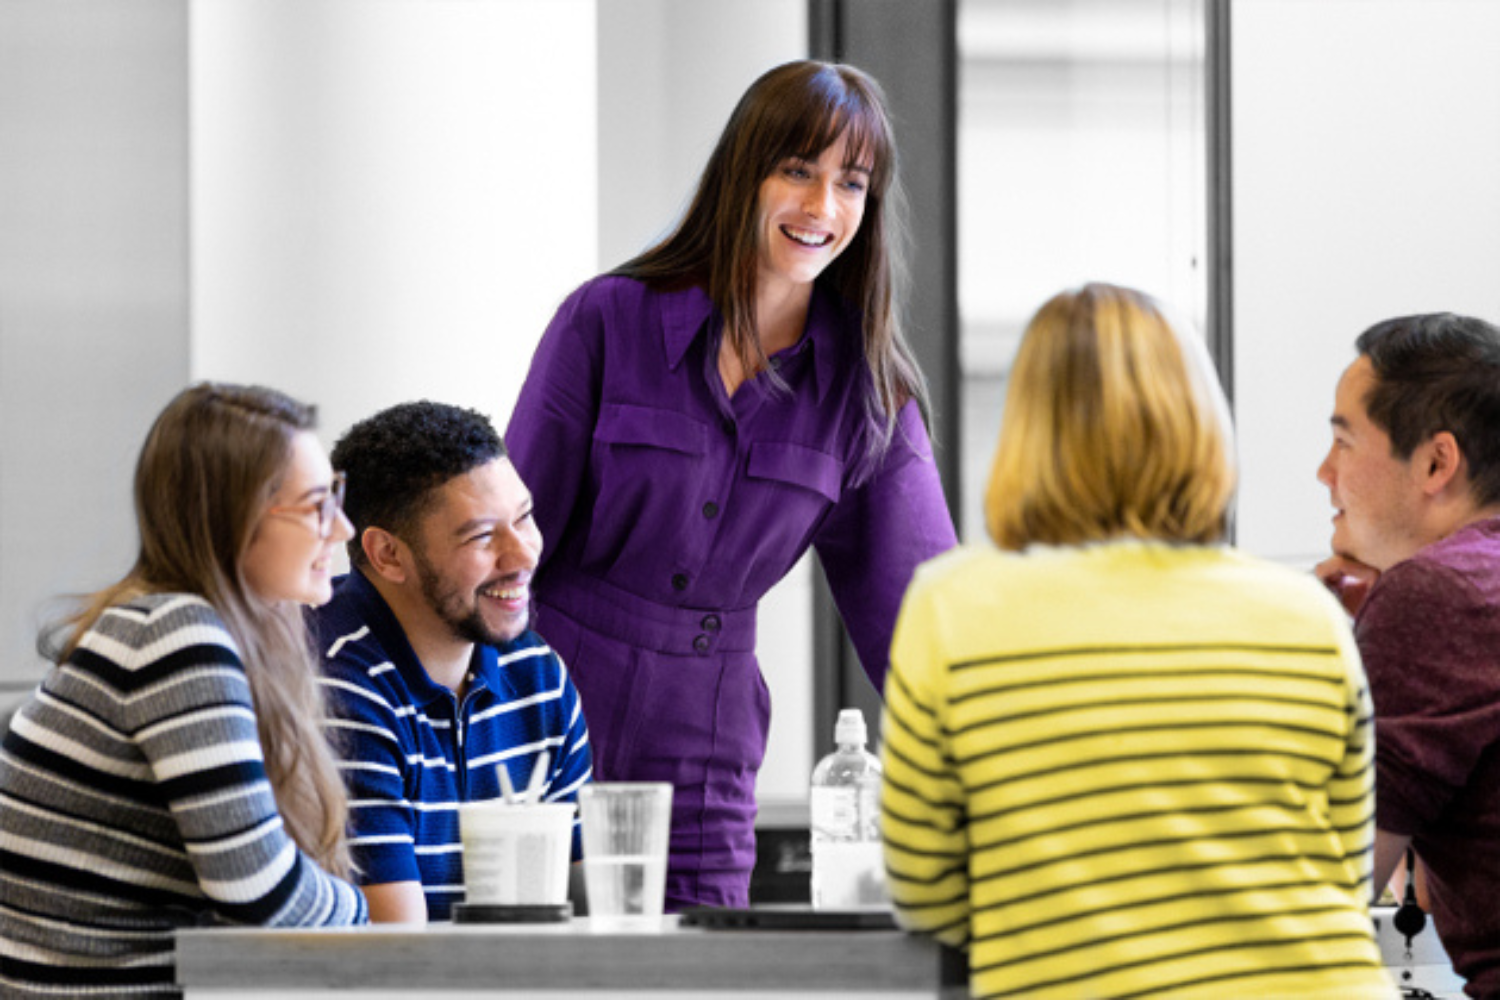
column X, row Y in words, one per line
column 695, row 419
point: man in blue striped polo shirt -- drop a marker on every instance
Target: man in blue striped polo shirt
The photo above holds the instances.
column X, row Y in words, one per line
column 434, row 678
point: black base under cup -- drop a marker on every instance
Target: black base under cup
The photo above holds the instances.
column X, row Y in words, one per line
column 493, row 913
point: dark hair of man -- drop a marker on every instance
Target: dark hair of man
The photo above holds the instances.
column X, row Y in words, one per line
column 1439, row 372
column 395, row 460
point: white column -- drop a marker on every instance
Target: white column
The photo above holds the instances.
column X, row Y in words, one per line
column 390, row 197
column 93, row 290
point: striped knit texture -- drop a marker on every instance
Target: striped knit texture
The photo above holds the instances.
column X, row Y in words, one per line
column 133, row 801
column 413, row 752
column 1132, row 770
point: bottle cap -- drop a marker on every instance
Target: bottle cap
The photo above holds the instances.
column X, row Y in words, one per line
column 850, row 727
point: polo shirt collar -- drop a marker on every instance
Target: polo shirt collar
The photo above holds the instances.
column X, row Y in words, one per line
column 684, row 314
column 382, row 621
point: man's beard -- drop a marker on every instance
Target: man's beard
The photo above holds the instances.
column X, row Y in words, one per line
column 447, row 602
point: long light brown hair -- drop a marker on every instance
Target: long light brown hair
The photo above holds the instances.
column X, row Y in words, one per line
column 798, row 110
column 211, row 464
column 1114, row 426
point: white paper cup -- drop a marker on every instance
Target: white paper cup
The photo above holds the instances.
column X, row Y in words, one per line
column 516, row 855
column 626, row 829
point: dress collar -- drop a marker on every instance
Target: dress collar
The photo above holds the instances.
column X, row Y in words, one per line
column 685, row 314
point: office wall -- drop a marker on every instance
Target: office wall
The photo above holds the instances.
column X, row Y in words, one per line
column 390, row 197
column 358, row 201
column 93, row 288
column 1082, row 157
column 670, row 72
column 1365, row 136
column 364, row 228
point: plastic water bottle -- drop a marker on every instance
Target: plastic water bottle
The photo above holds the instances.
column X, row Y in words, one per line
column 848, row 870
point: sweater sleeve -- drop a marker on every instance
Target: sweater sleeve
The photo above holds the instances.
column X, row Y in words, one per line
column 194, row 722
column 879, row 532
column 924, row 816
column 1434, row 712
column 1351, row 788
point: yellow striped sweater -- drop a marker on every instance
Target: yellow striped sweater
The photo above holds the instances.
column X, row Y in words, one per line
column 1132, row 769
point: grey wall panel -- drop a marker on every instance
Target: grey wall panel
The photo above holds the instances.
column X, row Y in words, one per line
column 93, row 287
column 1365, row 137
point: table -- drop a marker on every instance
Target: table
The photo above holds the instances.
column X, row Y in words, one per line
column 1429, row 968
column 383, row 962
column 559, row 961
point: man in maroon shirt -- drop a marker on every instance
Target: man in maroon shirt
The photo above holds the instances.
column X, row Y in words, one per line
column 1414, row 475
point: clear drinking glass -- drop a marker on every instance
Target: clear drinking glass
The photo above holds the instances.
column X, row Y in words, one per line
column 626, row 829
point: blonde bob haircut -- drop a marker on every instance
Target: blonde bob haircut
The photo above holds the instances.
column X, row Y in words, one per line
column 1114, row 427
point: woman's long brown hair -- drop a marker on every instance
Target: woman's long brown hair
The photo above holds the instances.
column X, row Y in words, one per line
column 798, row 110
column 209, row 467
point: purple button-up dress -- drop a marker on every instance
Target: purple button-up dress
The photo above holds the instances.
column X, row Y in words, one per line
column 670, row 508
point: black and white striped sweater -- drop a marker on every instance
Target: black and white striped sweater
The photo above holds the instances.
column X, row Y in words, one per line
column 133, row 801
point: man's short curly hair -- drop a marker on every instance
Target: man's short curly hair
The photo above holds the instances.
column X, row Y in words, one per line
column 396, row 460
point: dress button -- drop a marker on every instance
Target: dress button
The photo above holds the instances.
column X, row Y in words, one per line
column 701, row 643
column 711, row 623
column 710, row 510
column 679, row 581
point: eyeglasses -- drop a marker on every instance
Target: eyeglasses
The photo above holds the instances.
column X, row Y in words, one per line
column 327, row 507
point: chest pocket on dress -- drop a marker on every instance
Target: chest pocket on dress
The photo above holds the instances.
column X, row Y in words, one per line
column 624, row 424
column 797, row 465
column 636, row 451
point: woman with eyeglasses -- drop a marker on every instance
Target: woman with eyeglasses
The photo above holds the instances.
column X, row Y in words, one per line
column 172, row 770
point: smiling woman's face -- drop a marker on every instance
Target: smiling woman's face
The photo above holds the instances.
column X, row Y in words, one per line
column 810, row 211
column 286, row 559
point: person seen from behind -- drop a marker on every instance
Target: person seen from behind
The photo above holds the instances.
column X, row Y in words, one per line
column 1122, row 758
